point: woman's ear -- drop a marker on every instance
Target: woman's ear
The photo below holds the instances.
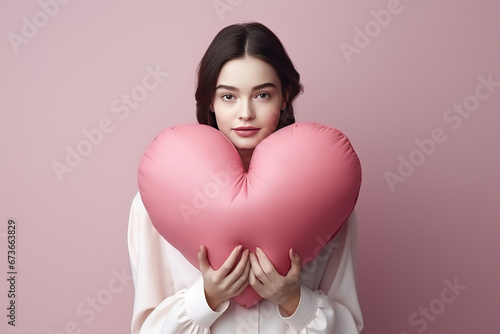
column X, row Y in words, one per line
column 285, row 97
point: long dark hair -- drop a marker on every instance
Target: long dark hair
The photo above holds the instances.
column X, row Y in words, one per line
column 237, row 41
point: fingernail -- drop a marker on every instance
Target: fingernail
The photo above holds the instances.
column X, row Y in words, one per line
column 257, row 249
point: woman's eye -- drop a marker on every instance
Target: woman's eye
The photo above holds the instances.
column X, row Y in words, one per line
column 263, row 95
column 227, row 97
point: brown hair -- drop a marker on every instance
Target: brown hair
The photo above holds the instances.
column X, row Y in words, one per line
column 237, row 41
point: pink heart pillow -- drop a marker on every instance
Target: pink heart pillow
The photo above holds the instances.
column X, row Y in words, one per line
column 302, row 184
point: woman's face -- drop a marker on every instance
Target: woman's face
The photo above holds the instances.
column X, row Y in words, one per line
column 248, row 95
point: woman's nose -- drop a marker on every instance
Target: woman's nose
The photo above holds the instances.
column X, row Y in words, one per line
column 246, row 111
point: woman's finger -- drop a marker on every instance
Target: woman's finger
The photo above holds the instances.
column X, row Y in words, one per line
column 295, row 264
column 229, row 263
column 243, row 280
column 202, row 259
column 266, row 264
column 257, row 270
column 240, row 266
column 252, row 279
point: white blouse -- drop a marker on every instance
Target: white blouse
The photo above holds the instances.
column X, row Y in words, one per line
column 169, row 293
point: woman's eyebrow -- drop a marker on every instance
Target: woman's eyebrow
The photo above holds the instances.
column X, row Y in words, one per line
column 264, row 85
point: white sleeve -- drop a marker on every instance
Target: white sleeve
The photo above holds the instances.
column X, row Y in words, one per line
column 336, row 310
column 158, row 308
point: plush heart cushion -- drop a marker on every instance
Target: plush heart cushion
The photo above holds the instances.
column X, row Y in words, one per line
column 301, row 186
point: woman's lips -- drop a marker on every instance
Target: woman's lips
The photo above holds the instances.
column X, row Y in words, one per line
column 246, row 132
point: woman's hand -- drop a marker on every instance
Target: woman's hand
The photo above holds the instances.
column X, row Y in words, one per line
column 269, row 284
column 221, row 284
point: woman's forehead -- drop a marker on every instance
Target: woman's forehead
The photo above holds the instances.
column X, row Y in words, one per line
column 247, row 73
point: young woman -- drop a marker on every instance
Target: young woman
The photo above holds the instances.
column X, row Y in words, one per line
column 246, row 87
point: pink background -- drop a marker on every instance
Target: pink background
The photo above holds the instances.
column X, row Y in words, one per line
column 439, row 225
